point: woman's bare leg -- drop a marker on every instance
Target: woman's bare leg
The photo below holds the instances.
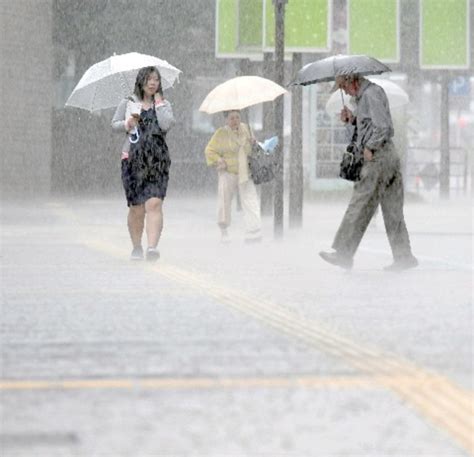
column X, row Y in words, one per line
column 154, row 220
column 136, row 222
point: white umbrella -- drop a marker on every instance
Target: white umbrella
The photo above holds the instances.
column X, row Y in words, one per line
column 239, row 93
column 108, row 82
column 396, row 96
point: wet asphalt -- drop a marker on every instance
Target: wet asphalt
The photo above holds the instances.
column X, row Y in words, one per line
column 235, row 349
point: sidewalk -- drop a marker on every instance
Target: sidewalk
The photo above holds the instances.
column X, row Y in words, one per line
column 434, row 300
column 236, row 348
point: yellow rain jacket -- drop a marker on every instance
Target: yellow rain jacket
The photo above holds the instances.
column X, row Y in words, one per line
column 233, row 147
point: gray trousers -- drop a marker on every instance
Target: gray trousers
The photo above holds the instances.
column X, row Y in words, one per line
column 381, row 182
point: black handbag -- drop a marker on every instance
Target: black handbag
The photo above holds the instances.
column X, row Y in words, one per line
column 352, row 161
column 261, row 164
column 351, row 164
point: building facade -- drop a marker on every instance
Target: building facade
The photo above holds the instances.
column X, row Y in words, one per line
column 26, row 56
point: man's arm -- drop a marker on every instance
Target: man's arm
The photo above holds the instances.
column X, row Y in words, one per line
column 381, row 129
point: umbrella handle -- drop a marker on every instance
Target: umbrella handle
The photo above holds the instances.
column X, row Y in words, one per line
column 342, row 98
column 134, row 133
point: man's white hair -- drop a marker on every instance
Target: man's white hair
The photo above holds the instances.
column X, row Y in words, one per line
column 348, row 78
column 343, row 79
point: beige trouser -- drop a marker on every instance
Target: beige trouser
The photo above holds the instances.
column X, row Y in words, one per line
column 228, row 184
column 381, row 182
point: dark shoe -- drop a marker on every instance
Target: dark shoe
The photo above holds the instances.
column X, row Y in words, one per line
column 402, row 264
column 336, row 259
column 137, row 253
column 152, row 254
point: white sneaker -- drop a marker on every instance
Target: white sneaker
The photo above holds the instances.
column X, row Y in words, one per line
column 152, row 254
column 225, row 238
column 254, row 236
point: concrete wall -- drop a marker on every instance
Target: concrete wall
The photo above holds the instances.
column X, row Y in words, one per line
column 26, row 94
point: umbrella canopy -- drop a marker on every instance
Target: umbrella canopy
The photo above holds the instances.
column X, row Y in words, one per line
column 396, row 96
column 239, row 93
column 108, row 82
column 340, row 65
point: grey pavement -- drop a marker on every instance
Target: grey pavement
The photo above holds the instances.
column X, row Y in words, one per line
column 235, row 349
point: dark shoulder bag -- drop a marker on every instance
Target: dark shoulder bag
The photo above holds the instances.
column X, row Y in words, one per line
column 352, row 160
column 261, row 164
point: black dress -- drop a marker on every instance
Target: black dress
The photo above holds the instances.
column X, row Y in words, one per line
column 145, row 173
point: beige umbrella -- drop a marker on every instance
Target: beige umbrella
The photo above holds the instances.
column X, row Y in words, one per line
column 239, row 93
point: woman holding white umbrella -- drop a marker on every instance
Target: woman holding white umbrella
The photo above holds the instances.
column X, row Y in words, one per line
column 145, row 118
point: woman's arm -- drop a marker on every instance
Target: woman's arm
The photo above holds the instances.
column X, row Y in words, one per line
column 164, row 114
column 213, row 149
column 119, row 123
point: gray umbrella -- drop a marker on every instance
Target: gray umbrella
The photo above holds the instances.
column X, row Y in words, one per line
column 327, row 69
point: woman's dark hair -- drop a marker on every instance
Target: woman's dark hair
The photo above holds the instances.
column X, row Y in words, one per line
column 142, row 78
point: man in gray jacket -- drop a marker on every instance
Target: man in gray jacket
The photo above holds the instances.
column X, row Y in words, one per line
column 380, row 181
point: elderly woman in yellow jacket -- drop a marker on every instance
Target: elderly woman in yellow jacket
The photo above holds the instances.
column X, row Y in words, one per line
column 227, row 151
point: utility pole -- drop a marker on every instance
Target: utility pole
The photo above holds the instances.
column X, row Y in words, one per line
column 266, row 189
column 295, row 206
column 279, row 107
column 444, row 140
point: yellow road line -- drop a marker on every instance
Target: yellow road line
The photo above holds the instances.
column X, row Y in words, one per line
column 446, row 405
column 308, row 382
column 460, row 426
column 451, row 409
column 66, row 384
